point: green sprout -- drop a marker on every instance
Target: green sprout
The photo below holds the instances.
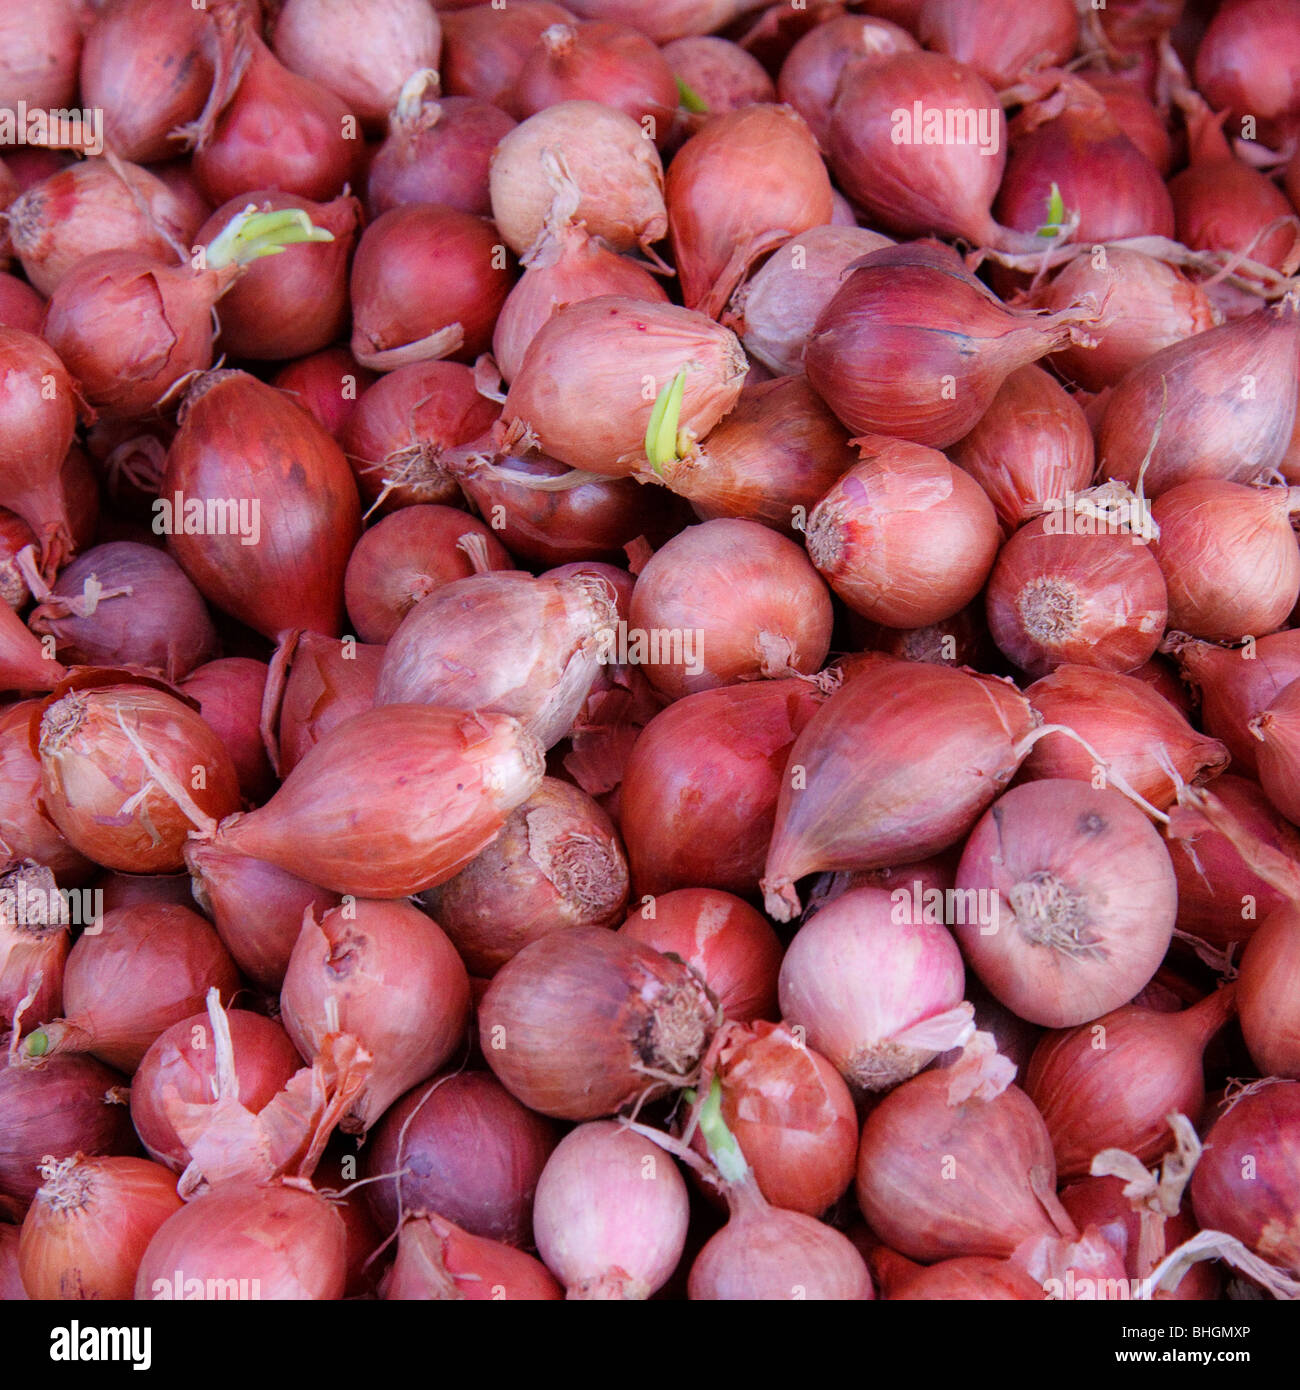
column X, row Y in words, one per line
column 661, row 433
column 1055, row 214
column 690, row 99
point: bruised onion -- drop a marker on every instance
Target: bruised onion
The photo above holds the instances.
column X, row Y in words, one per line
column 1228, row 401
column 581, row 1023
column 729, row 945
column 1032, row 445
column 89, row 1225
column 1137, row 734
column 611, row 1214
column 851, row 797
column 701, row 784
column 332, row 823
column 720, row 218
column 557, row 865
column 463, row 1146
column 389, row 976
column 427, row 281
column 128, row 771
column 903, row 537
column 913, row 346
column 878, row 992
column 1110, row 1083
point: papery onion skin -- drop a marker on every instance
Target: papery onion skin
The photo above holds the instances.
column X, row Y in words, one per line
column 328, row 682
column 1110, row 1083
column 891, row 809
column 729, row 945
column 438, row 1260
column 1031, row 445
column 1248, row 1177
column 998, row 38
column 183, row 1060
column 557, row 865
column 274, row 1241
column 1070, row 588
column 611, row 1214
column 582, row 386
column 307, row 511
column 903, row 537
column 1276, row 728
column 581, row 1023
column 1137, row 732
column 465, row 1148
column 34, row 945
column 398, row 986
column 720, row 219
column 745, row 599
column 26, row 832
column 1212, row 428
column 1267, row 993
column 89, row 1224
column 701, row 784
column 331, row 821
column 60, row 1106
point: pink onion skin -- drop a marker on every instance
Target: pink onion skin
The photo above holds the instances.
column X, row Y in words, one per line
column 229, row 694
column 292, row 1242
column 438, row 1260
column 1136, row 116
column 611, row 1213
column 907, row 972
column 469, row 1149
column 998, row 38
column 1086, row 901
column 729, row 945
column 483, row 50
column 43, row 46
column 1266, row 994
column 1246, row 62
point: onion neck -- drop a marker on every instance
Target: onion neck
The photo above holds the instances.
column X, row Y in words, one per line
column 1204, row 1019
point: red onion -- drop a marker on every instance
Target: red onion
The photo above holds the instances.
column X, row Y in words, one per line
column 1110, row 1083
column 729, row 945
column 438, row 1260
column 598, row 61
column 464, row 1146
column 590, row 379
column 386, row 974
column 361, row 50
column 326, row 384
column 959, row 1162
column 877, row 987
column 611, row 1214
column 727, row 600
column 1247, row 62
column 140, row 970
column 402, row 426
column 332, row 820
column 292, row 489
column 266, row 127
column 701, row 784
column 1248, row 1180
column 127, row 890
column 224, row 883
column 1237, row 684
column 556, row 866
column 96, row 205
column 904, row 538
column 127, row 603
column 484, row 49
column 314, row 684
column 1214, row 426
column 1031, row 446
column 89, row 1224
column 183, row 1066
column 1069, row 144
column 297, row 302
column 436, row 151
column 1146, row 306
column 409, row 555
column 128, row 770
column 1266, row 994
column 776, row 309
column 583, row 1023
column 814, row 68
column 427, row 282
column 1132, row 110
column 246, row 1240
column 913, row 346
column 26, row 832
column 720, row 219
column 1079, row 585
column 999, row 38
column 604, row 152
column 1138, row 734
column 853, row 799
column 229, row 695
column 25, row 663
column 58, row 1107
